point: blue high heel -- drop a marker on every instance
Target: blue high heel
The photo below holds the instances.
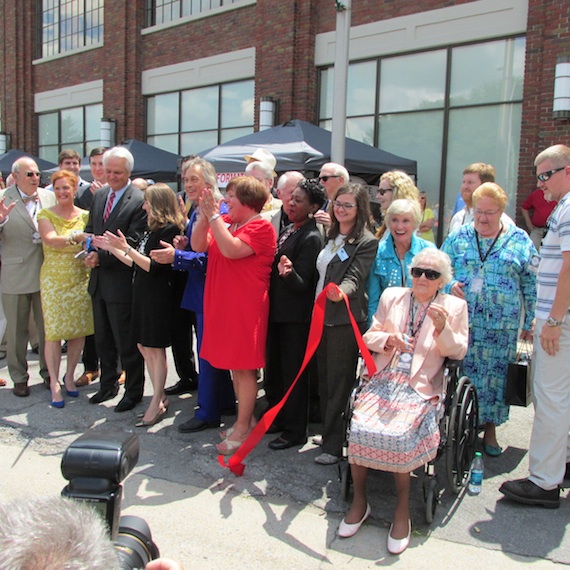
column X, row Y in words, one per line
column 70, row 393
column 58, row 404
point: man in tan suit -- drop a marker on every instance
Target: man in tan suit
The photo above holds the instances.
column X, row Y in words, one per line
column 22, row 258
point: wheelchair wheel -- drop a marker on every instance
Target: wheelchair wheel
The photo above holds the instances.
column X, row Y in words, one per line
column 345, row 479
column 462, row 434
column 431, row 498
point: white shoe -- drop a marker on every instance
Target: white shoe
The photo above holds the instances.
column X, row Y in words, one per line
column 398, row 545
column 345, row 529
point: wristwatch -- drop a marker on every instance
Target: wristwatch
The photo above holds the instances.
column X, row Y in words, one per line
column 553, row 322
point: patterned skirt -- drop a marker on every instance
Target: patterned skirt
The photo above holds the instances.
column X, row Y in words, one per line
column 392, row 428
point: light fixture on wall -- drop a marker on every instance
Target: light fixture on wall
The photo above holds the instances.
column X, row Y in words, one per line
column 267, row 106
column 4, row 142
column 108, row 128
column 561, row 102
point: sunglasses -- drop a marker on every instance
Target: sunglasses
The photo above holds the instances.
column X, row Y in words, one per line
column 383, row 191
column 544, row 176
column 326, row 178
column 431, row 274
column 31, row 173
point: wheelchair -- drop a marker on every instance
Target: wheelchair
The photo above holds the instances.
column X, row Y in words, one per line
column 459, row 428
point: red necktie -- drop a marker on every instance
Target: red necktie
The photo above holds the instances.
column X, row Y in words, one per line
column 109, row 206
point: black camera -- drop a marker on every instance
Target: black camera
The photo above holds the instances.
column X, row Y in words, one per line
column 95, row 464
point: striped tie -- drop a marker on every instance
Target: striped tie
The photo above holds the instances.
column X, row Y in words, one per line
column 109, row 206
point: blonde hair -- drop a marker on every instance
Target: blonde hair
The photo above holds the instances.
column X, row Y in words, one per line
column 492, row 191
column 400, row 207
column 163, row 207
column 403, row 187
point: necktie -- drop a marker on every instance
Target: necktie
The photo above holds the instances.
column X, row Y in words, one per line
column 32, row 198
column 109, row 206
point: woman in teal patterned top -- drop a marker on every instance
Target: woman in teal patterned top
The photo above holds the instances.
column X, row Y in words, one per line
column 495, row 272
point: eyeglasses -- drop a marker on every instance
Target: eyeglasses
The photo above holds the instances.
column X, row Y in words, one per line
column 431, row 274
column 488, row 213
column 343, row 205
column 383, row 191
column 544, row 176
column 326, row 178
column 31, row 173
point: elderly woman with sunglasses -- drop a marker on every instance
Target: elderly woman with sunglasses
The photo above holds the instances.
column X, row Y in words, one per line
column 495, row 266
column 395, row 422
column 390, row 268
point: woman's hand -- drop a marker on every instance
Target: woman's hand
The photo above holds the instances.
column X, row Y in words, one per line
column 400, row 342
column 527, row 335
column 180, row 242
column 335, row 295
column 208, row 204
column 181, row 205
column 165, row 255
column 438, row 315
column 285, row 266
column 457, row 289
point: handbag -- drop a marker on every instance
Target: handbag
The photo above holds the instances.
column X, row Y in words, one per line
column 517, row 389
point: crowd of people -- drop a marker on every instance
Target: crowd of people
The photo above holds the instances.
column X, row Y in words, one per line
column 121, row 274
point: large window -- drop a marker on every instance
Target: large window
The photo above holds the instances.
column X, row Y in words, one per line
column 445, row 108
column 187, row 122
column 77, row 127
column 70, row 24
column 162, row 11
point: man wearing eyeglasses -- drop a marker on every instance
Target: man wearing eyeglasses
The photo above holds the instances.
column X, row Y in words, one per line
column 332, row 177
column 549, row 451
column 22, row 258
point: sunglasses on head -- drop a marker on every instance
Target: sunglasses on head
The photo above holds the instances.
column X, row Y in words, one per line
column 383, row 191
column 326, row 178
column 431, row 274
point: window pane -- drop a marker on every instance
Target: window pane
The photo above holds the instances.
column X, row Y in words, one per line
column 489, row 72
column 361, row 129
column 165, row 142
column 49, row 153
column 237, row 104
column 487, row 134
column 163, row 114
column 192, row 143
column 48, row 129
column 361, row 89
column 230, row 134
column 72, row 125
column 93, row 115
column 417, row 136
column 200, row 109
column 325, row 105
column 412, row 82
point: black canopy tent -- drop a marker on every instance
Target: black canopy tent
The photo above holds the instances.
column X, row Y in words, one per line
column 298, row 145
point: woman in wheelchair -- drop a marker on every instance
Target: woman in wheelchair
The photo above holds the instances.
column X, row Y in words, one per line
column 394, row 424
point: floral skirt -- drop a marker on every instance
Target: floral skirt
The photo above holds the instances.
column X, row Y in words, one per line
column 392, row 427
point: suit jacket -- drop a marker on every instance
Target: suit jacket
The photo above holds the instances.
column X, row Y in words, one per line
column 351, row 275
column 291, row 298
column 21, row 258
column 84, row 197
column 113, row 279
column 426, row 376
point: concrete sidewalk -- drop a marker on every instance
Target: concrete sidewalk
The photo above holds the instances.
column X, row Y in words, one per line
column 284, row 511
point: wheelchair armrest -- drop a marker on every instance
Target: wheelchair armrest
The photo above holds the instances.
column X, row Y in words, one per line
column 453, row 365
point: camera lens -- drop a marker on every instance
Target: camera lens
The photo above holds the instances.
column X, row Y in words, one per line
column 134, row 543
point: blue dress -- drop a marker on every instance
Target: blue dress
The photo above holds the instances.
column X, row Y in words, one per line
column 497, row 292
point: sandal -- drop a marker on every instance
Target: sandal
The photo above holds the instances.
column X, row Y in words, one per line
column 225, row 433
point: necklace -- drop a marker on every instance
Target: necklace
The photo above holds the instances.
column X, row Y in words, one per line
column 236, row 226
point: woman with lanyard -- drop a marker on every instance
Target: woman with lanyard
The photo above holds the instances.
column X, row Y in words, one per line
column 390, row 268
column 394, row 424
column 495, row 268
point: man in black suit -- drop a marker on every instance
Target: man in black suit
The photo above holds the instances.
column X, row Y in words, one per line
column 116, row 207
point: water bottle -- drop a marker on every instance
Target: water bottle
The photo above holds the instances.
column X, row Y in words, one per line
column 476, row 478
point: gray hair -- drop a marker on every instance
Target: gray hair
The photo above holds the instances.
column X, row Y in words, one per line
column 404, row 206
column 16, row 164
column 559, row 154
column 207, row 170
column 120, row 152
column 53, row 533
column 338, row 170
column 288, row 177
column 437, row 258
column 262, row 167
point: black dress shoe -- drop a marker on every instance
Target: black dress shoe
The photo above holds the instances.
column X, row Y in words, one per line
column 195, row 424
column 21, row 390
column 526, row 492
column 126, row 404
column 282, row 443
column 182, row 387
column 103, row 395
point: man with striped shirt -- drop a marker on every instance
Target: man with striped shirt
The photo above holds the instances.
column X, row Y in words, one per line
column 549, row 453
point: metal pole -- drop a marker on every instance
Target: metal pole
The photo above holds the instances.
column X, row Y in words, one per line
column 343, row 9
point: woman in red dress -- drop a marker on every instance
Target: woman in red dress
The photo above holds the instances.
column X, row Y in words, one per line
column 241, row 248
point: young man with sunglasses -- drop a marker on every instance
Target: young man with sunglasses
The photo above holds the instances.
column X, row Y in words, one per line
column 549, row 451
column 332, row 177
column 22, row 257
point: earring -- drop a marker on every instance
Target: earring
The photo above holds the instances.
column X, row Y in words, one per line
column 311, row 215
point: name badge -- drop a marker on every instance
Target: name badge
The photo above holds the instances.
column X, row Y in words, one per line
column 36, row 238
column 534, row 263
column 476, row 285
column 342, row 255
column 404, row 362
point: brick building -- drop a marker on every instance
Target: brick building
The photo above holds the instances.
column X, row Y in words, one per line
column 446, row 82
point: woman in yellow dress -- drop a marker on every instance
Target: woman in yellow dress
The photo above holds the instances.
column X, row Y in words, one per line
column 66, row 304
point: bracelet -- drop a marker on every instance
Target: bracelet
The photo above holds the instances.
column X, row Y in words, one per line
column 127, row 250
column 215, row 217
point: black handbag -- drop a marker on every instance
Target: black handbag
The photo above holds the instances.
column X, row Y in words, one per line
column 517, row 389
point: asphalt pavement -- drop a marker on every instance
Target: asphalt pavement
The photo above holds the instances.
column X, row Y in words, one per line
column 284, row 511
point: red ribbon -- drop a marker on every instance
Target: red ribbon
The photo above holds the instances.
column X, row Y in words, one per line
column 234, row 463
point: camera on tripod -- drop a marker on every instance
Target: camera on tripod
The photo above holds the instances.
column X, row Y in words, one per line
column 95, row 464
